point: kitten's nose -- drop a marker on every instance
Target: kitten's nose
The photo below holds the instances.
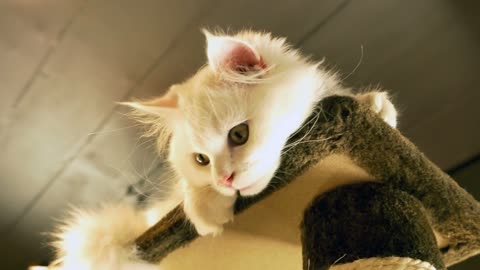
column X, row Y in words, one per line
column 226, row 180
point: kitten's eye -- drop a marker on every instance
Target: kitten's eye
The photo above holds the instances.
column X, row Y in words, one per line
column 238, row 135
column 202, row 159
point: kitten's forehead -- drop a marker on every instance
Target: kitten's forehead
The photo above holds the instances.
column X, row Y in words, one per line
column 205, row 139
column 216, row 107
column 210, row 113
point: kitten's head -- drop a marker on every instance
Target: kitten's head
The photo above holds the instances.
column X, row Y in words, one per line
column 229, row 122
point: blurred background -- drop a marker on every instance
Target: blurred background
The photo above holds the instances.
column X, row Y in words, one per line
column 64, row 64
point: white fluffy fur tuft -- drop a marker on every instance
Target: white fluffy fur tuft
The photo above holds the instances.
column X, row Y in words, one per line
column 101, row 239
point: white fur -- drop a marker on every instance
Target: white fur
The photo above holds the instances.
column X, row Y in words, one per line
column 380, row 103
column 274, row 98
column 104, row 238
column 99, row 239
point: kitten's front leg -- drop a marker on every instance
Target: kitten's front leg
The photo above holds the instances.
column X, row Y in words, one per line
column 207, row 209
column 380, row 103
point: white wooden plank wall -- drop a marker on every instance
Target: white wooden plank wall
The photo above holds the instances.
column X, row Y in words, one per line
column 63, row 64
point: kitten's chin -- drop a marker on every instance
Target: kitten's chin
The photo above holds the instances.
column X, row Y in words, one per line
column 255, row 188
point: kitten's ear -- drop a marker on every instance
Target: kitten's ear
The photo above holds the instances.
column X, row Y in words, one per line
column 161, row 106
column 227, row 53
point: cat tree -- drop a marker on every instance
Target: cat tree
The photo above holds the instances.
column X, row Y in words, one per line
column 393, row 218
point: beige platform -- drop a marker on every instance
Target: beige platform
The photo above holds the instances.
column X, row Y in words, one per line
column 266, row 236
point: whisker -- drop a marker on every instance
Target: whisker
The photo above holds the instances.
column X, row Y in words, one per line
column 317, row 117
column 303, row 125
column 357, row 66
column 310, row 141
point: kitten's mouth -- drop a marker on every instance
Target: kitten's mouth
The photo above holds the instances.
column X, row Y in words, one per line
column 228, row 190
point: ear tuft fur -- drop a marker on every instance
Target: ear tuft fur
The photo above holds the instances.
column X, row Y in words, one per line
column 157, row 106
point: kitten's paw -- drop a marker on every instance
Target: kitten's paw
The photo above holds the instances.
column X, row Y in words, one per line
column 208, row 210
column 206, row 221
column 204, row 228
column 381, row 104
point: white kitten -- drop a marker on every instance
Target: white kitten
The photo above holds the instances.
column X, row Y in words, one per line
column 226, row 126
column 230, row 121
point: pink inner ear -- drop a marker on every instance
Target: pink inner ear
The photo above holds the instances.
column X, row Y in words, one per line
column 240, row 57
